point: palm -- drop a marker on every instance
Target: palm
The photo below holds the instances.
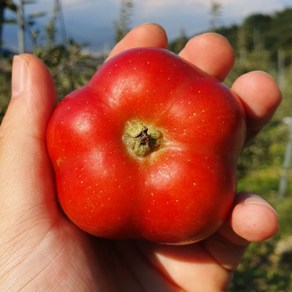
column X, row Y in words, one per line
column 61, row 251
column 58, row 252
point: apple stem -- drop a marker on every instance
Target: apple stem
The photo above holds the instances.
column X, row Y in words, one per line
column 141, row 139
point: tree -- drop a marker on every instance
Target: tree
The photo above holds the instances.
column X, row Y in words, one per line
column 5, row 4
column 215, row 14
column 122, row 25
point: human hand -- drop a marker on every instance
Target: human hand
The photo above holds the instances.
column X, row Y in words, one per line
column 41, row 249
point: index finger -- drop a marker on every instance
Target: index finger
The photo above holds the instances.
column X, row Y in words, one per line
column 145, row 35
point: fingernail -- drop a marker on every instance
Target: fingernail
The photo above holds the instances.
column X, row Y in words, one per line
column 19, row 73
column 257, row 200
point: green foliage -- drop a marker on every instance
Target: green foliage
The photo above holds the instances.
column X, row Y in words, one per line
column 286, row 107
column 260, row 270
column 5, row 77
column 262, row 152
column 68, row 65
column 179, row 43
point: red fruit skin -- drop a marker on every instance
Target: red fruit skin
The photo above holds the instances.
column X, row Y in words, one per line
column 180, row 193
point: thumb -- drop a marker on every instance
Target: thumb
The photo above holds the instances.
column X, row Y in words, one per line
column 33, row 97
column 25, row 175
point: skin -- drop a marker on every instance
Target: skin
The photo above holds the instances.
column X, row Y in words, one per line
column 41, row 250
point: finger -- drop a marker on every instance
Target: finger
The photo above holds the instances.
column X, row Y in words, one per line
column 210, row 52
column 24, row 177
column 33, row 98
column 260, row 97
column 145, row 35
column 252, row 220
column 189, row 266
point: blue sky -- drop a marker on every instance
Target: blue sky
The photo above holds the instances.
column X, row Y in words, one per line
column 91, row 21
